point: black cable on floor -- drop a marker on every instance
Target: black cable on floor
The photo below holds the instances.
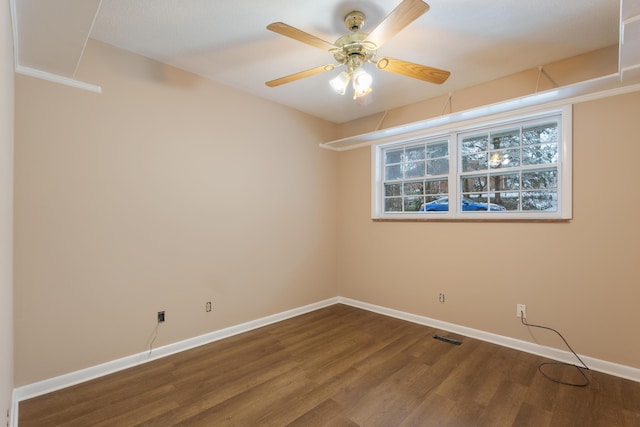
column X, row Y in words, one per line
column 579, row 368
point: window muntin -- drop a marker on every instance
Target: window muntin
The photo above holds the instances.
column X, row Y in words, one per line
column 516, row 167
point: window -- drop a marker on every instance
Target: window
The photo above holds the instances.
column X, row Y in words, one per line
column 415, row 174
column 508, row 168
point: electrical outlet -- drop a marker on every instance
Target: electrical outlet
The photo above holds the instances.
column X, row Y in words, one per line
column 521, row 310
column 207, row 306
column 441, row 298
column 160, row 316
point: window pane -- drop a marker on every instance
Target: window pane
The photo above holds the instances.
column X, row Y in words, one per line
column 510, row 201
column 437, row 150
column 440, row 199
column 505, row 159
column 414, row 170
column 474, row 162
column 436, row 204
column 393, row 156
column 413, row 188
column 474, row 183
column 474, row 144
column 412, row 204
column 393, row 172
column 436, row 187
column 540, row 134
column 438, row 167
column 415, row 153
column 393, row 204
column 392, row 190
column 474, row 202
column 542, row 179
column 505, row 139
column 540, row 154
column 504, row 182
column 540, row 201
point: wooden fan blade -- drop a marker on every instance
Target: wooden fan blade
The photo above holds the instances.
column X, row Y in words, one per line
column 300, row 75
column 296, row 34
column 417, row 71
column 404, row 14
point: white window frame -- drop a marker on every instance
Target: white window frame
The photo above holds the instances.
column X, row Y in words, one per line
column 451, row 133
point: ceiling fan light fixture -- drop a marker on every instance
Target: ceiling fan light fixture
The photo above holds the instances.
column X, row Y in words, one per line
column 361, row 82
column 340, row 82
column 361, row 94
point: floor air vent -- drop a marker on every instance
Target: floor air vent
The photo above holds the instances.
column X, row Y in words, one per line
column 449, row 340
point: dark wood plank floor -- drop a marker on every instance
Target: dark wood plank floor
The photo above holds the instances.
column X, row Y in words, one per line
column 340, row 366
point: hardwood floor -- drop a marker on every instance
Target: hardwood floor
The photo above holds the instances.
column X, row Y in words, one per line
column 340, row 366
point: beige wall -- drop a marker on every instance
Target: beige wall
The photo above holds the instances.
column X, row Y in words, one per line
column 580, row 277
column 168, row 191
column 162, row 193
column 6, row 209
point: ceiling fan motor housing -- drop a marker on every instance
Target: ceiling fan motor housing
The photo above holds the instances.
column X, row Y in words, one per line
column 354, row 45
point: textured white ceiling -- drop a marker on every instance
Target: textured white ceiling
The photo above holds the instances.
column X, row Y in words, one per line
column 477, row 40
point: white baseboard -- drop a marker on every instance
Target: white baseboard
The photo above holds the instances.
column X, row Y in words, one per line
column 67, row 380
column 72, row 378
column 599, row 365
column 13, row 416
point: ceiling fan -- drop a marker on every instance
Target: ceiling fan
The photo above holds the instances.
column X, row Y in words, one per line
column 355, row 49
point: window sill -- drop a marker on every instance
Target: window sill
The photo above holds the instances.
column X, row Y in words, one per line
column 476, row 220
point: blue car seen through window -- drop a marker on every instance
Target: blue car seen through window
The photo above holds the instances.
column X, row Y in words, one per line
column 442, row 204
